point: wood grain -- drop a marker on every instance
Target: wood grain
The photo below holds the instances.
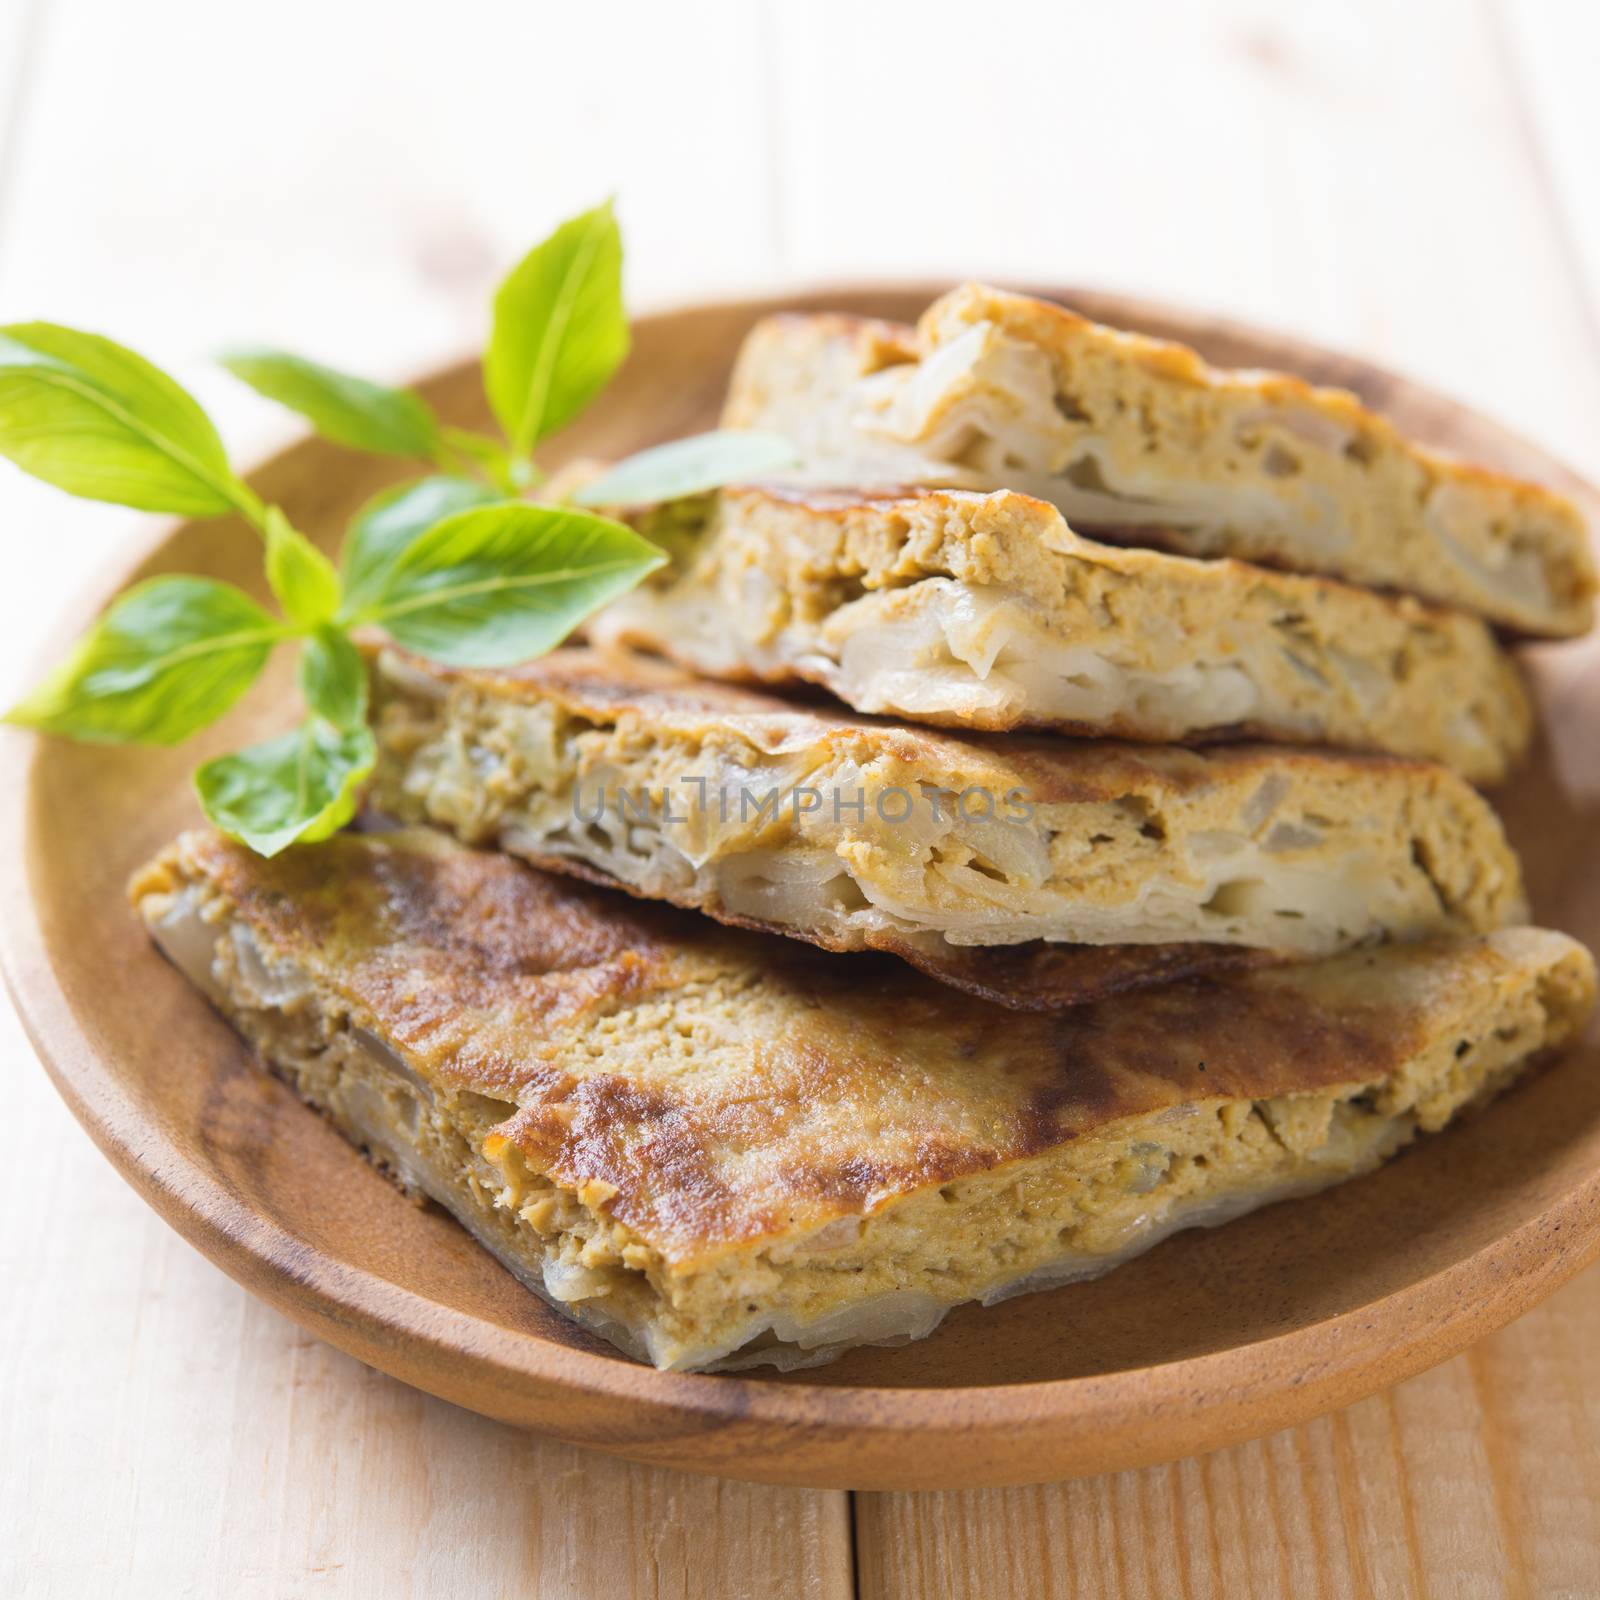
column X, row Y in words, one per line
column 1479, row 1478
column 1266, row 1322
column 157, row 1425
column 1548, row 45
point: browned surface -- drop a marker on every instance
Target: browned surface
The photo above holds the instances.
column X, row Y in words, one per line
column 818, row 1087
column 1267, row 1322
column 1067, row 336
column 659, row 702
column 821, row 547
column 1051, row 977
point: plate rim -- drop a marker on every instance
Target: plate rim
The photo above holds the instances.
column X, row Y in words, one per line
column 1100, row 1422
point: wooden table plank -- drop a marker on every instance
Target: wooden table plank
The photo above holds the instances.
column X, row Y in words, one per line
column 1479, row 1478
column 162, row 1433
column 1551, row 47
column 21, row 24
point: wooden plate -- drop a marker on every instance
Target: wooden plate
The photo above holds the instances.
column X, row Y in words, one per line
column 1212, row 1337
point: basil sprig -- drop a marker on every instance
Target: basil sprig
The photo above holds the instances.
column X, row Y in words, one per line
column 389, row 522
column 305, row 784
column 688, row 466
column 333, row 678
column 166, row 660
column 351, row 411
column 453, row 566
column 558, row 334
column 559, row 329
column 506, row 583
column 98, row 421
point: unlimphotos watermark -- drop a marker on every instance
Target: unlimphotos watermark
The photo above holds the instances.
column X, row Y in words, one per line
column 696, row 798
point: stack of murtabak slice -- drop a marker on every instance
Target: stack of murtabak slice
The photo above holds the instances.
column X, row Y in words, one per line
column 1139, row 886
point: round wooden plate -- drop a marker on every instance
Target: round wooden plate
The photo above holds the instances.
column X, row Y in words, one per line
column 1212, row 1337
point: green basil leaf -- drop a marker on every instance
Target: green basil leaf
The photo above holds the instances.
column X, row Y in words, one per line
column 388, row 522
column 688, row 466
column 506, row 583
column 559, row 328
column 304, row 580
column 96, row 420
column 302, row 785
column 333, row 678
column 168, row 658
column 341, row 407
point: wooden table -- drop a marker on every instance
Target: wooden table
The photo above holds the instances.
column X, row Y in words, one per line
column 1414, row 182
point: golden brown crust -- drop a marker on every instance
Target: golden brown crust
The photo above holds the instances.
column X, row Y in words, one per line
column 986, row 611
column 717, row 1089
column 1258, row 465
column 1056, row 328
column 516, row 755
